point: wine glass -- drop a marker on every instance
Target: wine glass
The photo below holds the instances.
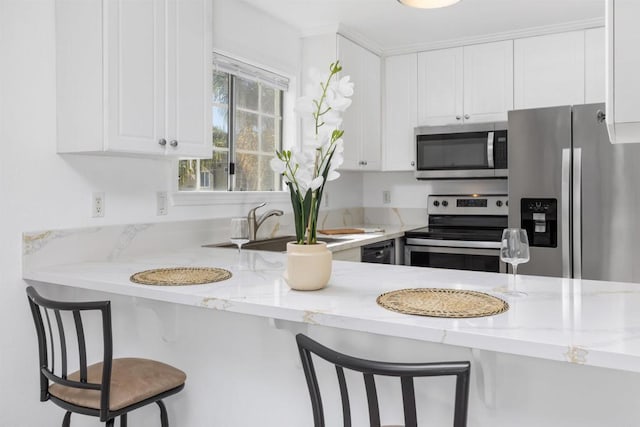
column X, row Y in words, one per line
column 239, row 232
column 514, row 250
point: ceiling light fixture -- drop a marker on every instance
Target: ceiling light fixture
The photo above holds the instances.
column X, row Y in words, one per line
column 428, row 4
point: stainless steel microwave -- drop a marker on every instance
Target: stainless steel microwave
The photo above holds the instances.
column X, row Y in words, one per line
column 476, row 150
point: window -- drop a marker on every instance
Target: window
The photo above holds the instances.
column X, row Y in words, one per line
column 248, row 101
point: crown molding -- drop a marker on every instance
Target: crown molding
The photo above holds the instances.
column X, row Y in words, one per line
column 360, row 39
column 507, row 35
column 319, row 31
column 347, row 32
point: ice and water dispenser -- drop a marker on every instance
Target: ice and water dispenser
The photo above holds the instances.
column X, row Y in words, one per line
column 540, row 218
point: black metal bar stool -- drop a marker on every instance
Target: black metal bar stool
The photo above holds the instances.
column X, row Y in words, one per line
column 108, row 389
column 405, row 371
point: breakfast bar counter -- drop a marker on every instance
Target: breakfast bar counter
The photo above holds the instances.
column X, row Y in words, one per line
column 565, row 320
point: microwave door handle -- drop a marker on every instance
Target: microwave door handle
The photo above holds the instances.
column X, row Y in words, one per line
column 490, row 163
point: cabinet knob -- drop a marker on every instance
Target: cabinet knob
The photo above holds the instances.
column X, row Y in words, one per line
column 413, row 163
column 458, row 117
column 466, row 116
column 173, row 143
column 162, row 142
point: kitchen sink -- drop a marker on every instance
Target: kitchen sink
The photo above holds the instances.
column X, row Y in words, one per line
column 275, row 244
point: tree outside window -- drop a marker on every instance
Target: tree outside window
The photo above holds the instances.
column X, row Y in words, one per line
column 240, row 159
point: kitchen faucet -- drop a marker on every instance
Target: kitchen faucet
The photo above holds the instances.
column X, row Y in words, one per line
column 254, row 223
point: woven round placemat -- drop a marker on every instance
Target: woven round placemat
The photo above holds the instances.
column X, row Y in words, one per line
column 180, row 276
column 435, row 302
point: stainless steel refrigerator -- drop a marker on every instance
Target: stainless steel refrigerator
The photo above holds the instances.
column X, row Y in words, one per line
column 577, row 195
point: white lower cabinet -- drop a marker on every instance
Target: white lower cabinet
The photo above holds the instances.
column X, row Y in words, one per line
column 134, row 77
column 400, row 112
column 549, row 70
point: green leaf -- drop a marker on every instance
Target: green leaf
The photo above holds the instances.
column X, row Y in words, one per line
column 297, row 212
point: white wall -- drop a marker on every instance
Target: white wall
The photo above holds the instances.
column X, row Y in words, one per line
column 40, row 189
column 408, row 192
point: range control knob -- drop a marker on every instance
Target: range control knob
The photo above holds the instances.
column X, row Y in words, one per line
column 436, row 203
column 499, row 203
column 445, row 203
column 506, row 203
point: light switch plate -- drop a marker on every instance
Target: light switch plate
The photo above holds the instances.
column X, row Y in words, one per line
column 162, row 203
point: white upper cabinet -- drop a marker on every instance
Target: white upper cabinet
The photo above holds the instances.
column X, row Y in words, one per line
column 594, row 65
column 440, row 80
column 465, row 85
column 361, row 121
column 549, row 70
column 488, row 81
column 134, row 77
column 400, row 112
column 623, row 70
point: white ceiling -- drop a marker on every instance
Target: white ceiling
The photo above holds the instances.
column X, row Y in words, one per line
column 390, row 26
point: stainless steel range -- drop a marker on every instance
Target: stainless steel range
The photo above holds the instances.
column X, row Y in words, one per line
column 464, row 233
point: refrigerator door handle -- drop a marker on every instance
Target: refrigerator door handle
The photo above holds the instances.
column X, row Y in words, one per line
column 577, row 213
column 490, row 163
column 565, row 212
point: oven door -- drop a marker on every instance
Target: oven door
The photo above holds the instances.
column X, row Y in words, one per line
column 458, row 258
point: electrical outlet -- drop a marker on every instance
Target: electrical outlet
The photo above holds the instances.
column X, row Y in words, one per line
column 386, row 197
column 97, row 205
column 162, row 204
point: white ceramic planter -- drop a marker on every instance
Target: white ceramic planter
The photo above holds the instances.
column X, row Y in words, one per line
column 308, row 266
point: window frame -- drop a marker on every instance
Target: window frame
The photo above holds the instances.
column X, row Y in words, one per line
column 210, row 197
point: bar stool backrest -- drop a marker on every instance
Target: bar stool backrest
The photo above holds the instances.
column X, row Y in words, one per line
column 405, row 371
column 50, row 318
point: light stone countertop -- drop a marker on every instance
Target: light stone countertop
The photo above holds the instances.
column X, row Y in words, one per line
column 361, row 239
column 576, row 321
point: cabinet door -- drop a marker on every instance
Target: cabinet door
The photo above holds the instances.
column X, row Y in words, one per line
column 189, row 78
column 135, row 69
column 371, row 146
column 623, row 70
column 401, row 112
column 350, row 56
column 549, row 70
column 440, row 81
column 488, row 81
column 594, row 65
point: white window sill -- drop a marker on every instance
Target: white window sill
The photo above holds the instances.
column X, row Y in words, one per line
column 200, row 198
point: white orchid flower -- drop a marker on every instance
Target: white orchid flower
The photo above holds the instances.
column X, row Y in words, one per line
column 344, row 87
column 332, row 118
column 336, row 101
column 316, row 183
column 333, row 175
column 321, row 149
column 277, row 165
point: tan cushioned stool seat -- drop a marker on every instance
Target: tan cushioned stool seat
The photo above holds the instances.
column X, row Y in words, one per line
column 132, row 380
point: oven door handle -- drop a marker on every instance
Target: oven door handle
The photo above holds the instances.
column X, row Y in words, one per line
column 452, row 243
